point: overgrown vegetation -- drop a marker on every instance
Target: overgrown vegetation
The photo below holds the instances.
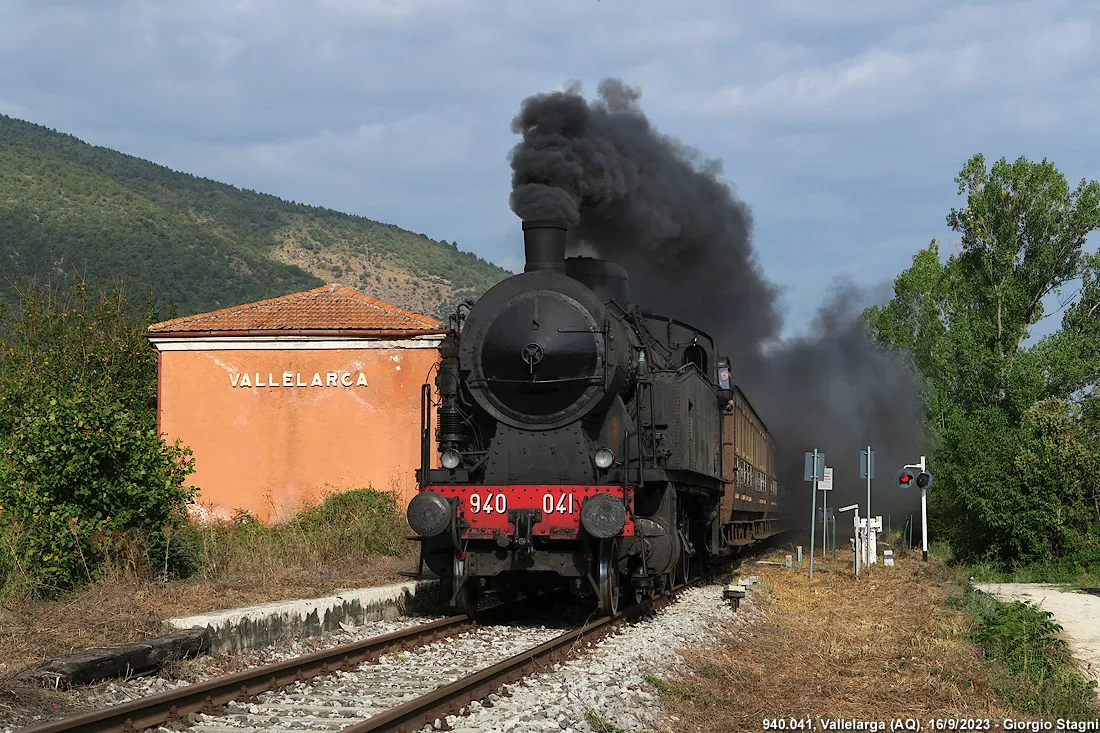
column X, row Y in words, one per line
column 81, row 462
column 1038, row 674
column 1016, row 427
column 346, row 540
column 197, row 243
column 346, row 528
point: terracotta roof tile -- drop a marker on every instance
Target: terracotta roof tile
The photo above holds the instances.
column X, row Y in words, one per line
column 329, row 307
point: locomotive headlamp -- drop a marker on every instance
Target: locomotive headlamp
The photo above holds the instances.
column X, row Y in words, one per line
column 450, row 458
column 604, row 458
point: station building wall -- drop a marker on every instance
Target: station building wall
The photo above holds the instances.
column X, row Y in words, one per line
column 277, row 418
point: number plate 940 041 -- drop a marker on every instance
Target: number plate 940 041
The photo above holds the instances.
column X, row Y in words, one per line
column 483, row 511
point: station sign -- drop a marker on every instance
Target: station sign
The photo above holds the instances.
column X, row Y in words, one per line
column 297, row 379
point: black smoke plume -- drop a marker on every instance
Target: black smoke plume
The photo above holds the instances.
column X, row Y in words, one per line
column 657, row 207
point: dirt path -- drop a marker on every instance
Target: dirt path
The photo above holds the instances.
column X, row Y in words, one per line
column 1078, row 614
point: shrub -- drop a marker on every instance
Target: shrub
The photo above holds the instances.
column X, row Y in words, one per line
column 1041, row 677
column 59, row 341
column 362, row 521
column 77, row 468
column 81, row 464
column 346, row 528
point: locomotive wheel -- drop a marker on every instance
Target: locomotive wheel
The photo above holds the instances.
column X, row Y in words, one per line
column 467, row 599
column 607, row 577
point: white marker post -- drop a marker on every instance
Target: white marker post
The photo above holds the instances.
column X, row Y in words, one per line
column 855, row 540
column 923, row 516
column 826, row 484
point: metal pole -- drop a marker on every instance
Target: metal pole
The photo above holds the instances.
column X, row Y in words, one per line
column 824, row 523
column 834, row 539
column 867, row 532
column 813, row 516
column 924, row 517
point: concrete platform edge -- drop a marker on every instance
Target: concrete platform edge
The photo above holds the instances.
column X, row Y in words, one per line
column 239, row 629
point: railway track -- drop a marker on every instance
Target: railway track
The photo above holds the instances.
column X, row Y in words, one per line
column 402, row 681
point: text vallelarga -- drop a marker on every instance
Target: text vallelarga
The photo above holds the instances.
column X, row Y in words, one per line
column 296, row 379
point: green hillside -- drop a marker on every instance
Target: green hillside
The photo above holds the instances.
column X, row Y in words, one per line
column 199, row 244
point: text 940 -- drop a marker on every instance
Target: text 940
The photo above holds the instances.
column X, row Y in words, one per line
column 788, row 724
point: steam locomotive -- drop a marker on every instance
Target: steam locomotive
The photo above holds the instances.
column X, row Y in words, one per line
column 584, row 442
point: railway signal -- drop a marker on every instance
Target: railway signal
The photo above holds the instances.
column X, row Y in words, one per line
column 922, row 480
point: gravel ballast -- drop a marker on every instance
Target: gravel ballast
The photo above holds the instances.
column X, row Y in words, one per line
column 342, row 699
column 606, row 686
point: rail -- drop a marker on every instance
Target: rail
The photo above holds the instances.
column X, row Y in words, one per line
column 173, row 706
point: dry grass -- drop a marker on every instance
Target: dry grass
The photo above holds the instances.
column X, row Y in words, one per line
column 352, row 539
column 889, row 645
column 123, row 610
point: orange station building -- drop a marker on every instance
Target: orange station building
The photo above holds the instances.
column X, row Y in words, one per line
column 287, row 399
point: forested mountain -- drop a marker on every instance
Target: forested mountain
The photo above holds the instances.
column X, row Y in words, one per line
column 199, row 244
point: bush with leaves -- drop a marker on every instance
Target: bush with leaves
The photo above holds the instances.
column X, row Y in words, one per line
column 80, row 457
column 1042, row 676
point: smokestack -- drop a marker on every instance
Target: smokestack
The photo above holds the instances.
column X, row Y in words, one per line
column 544, row 245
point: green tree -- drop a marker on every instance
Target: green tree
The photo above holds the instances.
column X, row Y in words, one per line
column 1011, row 423
column 80, row 457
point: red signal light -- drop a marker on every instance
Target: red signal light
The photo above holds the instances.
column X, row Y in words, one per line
column 905, row 479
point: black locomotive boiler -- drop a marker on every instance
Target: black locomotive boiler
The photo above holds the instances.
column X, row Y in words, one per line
column 584, row 442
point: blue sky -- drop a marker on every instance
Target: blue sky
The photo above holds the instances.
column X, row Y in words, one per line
column 841, row 123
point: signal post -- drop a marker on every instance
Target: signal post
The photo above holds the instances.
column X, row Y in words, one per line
column 923, row 480
column 815, row 472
